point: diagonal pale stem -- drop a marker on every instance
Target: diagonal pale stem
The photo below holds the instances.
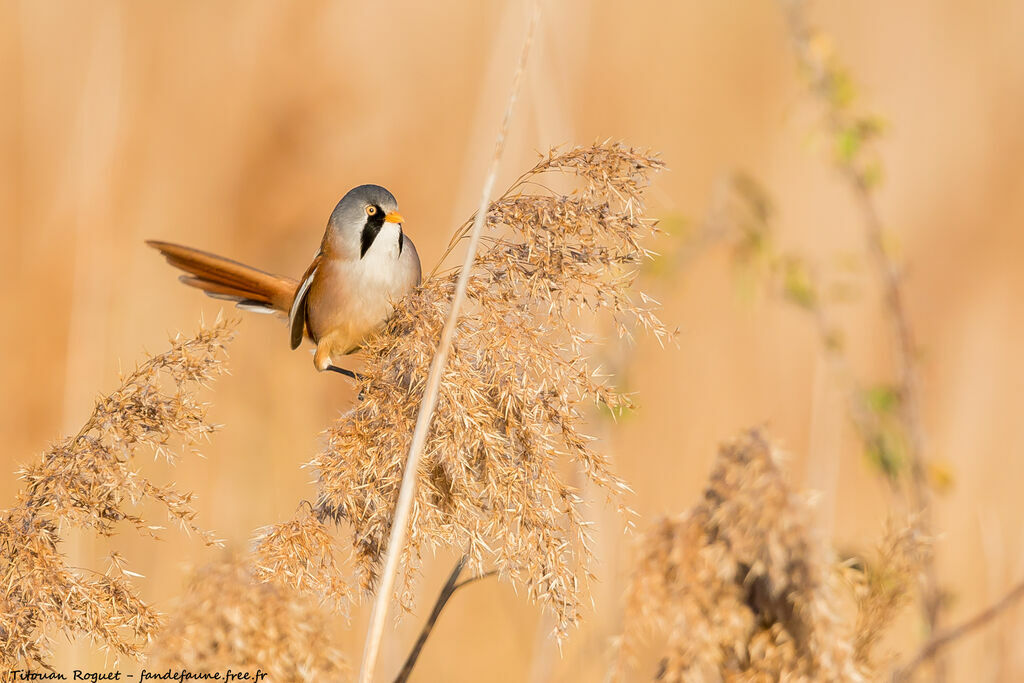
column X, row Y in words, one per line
column 403, row 509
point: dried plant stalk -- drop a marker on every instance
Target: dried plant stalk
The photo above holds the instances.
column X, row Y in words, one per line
column 511, row 397
column 740, row 587
column 951, row 635
column 229, row 620
column 89, row 481
column 428, row 404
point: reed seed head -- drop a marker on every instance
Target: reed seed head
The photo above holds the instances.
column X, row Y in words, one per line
column 89, row 481
column 739, row 588
column 513, row 396
column 228, row 619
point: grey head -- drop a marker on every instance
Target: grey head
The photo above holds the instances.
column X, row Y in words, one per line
column 358, row 217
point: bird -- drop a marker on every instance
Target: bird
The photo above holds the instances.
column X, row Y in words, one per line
column 365, row 264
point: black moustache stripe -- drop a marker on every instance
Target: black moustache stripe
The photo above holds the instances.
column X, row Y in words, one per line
column 373, row 225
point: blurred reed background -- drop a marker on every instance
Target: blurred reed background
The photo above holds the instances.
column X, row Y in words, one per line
column 236, row 126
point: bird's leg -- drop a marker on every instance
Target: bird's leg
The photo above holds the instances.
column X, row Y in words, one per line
column 322, row 361
column 354, row 375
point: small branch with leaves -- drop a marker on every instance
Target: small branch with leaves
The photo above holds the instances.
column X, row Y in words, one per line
column 851, row 131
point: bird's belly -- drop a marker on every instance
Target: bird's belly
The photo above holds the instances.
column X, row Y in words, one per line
column 346, row 329
column 347, row 302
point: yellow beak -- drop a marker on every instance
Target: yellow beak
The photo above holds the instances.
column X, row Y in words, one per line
column 394, row 217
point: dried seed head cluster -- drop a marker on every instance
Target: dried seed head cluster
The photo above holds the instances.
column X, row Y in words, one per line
column 513, row 391
column 302, row 553
column 89, row 481
column 229, row 620
column 884, row 585
column 738, row 586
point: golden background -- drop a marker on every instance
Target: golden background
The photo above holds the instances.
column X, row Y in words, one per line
column 236, row 126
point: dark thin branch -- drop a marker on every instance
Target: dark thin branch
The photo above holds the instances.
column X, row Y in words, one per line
column 453, row 584
column 473, row 579
column 951, row 635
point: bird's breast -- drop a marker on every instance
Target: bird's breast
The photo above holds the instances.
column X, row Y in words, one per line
column 349, row 298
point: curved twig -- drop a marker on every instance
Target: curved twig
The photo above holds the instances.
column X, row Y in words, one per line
column 447, row 591
column 950, row 635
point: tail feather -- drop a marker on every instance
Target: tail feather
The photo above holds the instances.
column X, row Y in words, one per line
column 217, row 290
column 223, row 278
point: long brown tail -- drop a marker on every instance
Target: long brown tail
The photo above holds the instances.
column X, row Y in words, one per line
column 222, row 278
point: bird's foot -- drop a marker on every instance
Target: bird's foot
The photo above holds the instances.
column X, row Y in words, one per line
column 348, row 373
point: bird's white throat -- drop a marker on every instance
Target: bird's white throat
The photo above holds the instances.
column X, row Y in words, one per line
column 378, row 263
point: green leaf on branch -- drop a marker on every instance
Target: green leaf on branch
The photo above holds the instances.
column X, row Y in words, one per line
column 882, row 399
column 797, row 284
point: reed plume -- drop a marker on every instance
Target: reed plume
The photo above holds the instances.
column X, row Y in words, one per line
column 229, row 620
column 884, row 586
column 739, row 588
column 89, row 481
column 511, row 405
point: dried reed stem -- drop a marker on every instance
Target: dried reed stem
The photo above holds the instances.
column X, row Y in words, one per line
column 951, row 635
column 823, row 85
column 403, row 509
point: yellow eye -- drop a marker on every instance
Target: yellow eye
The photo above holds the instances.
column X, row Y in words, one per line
column 370, row 210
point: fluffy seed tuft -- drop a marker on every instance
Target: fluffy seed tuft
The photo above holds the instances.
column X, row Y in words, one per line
column 89, row 481
column 228, row 619
column 512, row 398
column 739, row 587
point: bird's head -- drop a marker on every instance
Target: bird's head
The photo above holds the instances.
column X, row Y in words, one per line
column 360, row 217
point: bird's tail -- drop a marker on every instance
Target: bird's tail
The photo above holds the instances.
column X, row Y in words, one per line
column 222, row 278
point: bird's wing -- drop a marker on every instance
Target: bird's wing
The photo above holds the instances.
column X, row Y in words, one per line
column 297, row 312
